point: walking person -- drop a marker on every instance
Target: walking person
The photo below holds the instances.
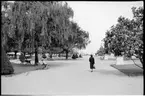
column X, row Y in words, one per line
column 43, row 58
column 92, row 62
column 22, row 58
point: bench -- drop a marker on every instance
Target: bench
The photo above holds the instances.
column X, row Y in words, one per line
column 27, row 60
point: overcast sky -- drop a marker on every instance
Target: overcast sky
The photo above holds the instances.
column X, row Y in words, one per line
column 98, row 17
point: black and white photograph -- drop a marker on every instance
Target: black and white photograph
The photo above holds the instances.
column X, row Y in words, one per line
column 72, row 48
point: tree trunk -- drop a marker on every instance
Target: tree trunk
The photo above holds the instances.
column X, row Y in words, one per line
column 66, row 54
column 30, row 54
column 50, row 55
column 59, row 55
column 140, row 57
column 15, row 54
column 141, row 60
column 24, row 54
column 6, row 66
column 36, row 57
column 135, row 63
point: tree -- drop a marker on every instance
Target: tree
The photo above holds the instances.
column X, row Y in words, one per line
column 6, row 67
column 12, row 46
column 19, row 18
column 101, row 51
column 64, row 27
column 135, row 39
column 28, row 25
column 54, row 29
column 77, row 38
column 126, row 37
column 29, row 20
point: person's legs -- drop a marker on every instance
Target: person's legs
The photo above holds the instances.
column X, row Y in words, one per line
column 94, row 66
column 42, row 61
column 91, row 69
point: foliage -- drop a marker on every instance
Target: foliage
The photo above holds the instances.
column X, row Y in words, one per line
column 101, row 51
column 126, row 37
column 6, row 67
column 28, row 25
column 78, row 38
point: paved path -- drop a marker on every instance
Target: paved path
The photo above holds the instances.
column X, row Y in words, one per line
column 73, row 77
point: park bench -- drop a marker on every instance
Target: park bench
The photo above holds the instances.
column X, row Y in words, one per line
column 28, row 60
column 10, row 55
column 25, row 59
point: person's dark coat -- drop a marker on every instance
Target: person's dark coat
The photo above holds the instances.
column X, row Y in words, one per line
column 22, row 58
column 92, row 62
column 43, row 56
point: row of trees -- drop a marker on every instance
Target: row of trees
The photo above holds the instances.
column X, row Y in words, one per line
column 126, row 37
column 28, row 26
column 101, row 51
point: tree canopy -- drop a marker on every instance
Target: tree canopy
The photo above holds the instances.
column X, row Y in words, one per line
column 126, row 37
column 27, row 25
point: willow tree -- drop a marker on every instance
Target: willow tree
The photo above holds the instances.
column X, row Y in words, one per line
column 25, row 23
column 64, row 26
column 57, row 26
column 77, row 38
column 59, row 31
column 30, row 18
column 6, row 67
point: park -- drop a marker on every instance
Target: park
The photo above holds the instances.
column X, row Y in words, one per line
column 41, row 52
column 65, row 77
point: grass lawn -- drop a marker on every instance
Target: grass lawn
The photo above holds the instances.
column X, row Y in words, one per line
column 20, row 68
column 23, row 68
column 129, row 69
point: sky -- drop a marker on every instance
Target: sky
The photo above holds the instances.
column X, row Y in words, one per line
column 97, row 17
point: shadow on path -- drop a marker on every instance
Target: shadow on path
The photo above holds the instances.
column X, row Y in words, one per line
column 58, row 64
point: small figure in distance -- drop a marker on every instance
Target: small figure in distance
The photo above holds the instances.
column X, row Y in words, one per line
column 80, row 56
column 22, row 58
column 43, row 57
column 92, row 62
